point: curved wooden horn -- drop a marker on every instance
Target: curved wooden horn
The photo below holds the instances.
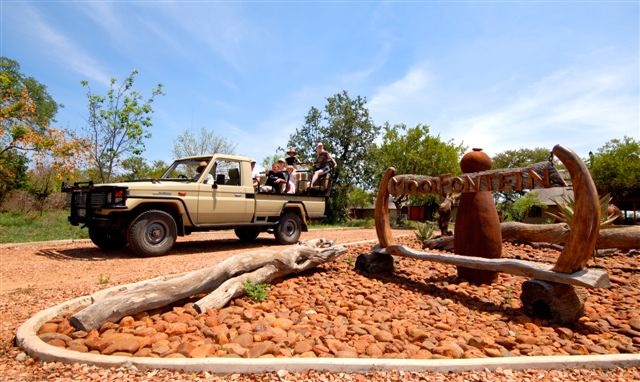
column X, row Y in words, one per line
column 585, row 227
column 383, row 223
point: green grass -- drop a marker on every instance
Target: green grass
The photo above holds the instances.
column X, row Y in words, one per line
column 20, row 227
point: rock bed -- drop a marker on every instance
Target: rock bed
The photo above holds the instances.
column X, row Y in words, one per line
column 421, row 311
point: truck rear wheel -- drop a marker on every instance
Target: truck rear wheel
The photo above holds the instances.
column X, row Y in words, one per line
column 107, row 239
column 288, row 229
column 152, row 233
column 247, row 234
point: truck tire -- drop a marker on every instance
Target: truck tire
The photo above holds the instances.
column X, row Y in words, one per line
column 288, row 229
column 152, row 233
column 107, row 239
column 247, row 234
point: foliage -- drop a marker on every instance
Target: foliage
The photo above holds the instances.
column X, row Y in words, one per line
column 347, row 132
column 359, row 198
column 567, row 210
column 17, row 227
column 257, row 292
column 615, row 168
column 520, row 158
column 136, row 167
column 103, row 279
column 26, row 114
column 350, row 261
column 519, row 209
column 268, row 161
column 514, row 159
column 205, row 142
column 118, row 124
column 416, row 151
column 424, row 231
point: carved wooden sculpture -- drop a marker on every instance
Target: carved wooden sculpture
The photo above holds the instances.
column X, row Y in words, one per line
column 552, row 297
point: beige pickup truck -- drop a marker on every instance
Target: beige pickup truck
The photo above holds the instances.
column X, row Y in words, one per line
column 201, row 193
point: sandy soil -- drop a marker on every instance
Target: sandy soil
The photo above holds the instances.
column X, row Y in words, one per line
column 36, row 276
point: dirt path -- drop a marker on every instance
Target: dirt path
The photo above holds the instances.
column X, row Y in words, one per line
column 55, row 265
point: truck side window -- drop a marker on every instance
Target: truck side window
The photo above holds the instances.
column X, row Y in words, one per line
column 230, row 170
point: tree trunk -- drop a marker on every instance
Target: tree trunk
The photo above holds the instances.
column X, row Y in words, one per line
column 224, row 280
column 623, row 238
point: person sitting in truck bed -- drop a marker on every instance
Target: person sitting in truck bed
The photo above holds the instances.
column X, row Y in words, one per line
column 275, row 179
column 290, row 188
column 292, row 159
column 323, row 163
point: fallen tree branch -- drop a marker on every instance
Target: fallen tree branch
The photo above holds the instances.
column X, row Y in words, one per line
column 623, row 238
column 162, row 291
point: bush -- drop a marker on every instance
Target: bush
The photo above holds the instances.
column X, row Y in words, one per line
column 24, row 201
column 257, row 292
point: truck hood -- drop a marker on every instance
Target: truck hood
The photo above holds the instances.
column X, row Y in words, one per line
column 149, row 187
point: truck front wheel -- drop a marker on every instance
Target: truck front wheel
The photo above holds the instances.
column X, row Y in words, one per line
column 152, row 233
column 107, row 239
column 288, row 229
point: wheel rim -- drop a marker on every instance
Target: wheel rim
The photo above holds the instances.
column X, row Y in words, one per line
column 155, row 233
column 289, row 228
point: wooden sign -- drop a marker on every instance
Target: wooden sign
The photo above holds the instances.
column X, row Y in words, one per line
column 539, row 175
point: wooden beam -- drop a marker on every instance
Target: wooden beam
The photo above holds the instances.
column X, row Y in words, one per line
column 583, row 278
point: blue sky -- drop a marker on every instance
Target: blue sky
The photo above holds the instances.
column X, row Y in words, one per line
column 497, row 75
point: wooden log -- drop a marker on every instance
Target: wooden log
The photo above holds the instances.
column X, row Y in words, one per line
column 163, row 291
column 382, row 220
column 281, row 264
column 620, row 237
column 523, row 232
column 557, row 303
column 581, row 241
column 531, row 269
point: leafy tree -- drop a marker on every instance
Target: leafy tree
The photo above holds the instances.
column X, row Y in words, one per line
column 615, row 168
column 519, row 209
column 416, row 151
column 118, row 124
column 512, row 159
column 206, row 142
column 137, row 167
column 26, row 114
column 359, row 198
column 268, row 161
column 347, row 132
column 520, row 158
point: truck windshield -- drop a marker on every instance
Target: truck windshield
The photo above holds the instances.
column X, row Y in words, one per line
column 185, row 169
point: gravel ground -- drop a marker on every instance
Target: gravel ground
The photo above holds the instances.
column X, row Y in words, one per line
column 477, row 320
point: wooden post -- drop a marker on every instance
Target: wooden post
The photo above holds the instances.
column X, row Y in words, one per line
column 580, row 243
column 383, row 222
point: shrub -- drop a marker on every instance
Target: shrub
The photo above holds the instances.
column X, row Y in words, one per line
column 257, row 292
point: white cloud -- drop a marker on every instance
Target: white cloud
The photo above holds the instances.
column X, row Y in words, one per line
column 404, row 97
column 60, row 48
column 580, row 108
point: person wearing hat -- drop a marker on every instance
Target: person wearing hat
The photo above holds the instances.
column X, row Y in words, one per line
column 208, row 178
column 292, row 159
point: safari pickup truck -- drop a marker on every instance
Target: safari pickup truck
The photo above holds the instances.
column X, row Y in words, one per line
column 201, row 193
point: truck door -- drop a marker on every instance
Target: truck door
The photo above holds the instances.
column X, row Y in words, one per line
column 224, row 201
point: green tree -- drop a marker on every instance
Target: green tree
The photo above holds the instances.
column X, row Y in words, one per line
column 118, row 124
column 519, row 209
column 520, row 158
column 26, row 114
column 136, row 167
column 615, row 167
column 206, row 142
column 347, row 132
column 416, row 151
column 359, row 198
column 512, row 159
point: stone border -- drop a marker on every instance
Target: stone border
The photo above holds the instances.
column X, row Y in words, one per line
column 28, row 340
